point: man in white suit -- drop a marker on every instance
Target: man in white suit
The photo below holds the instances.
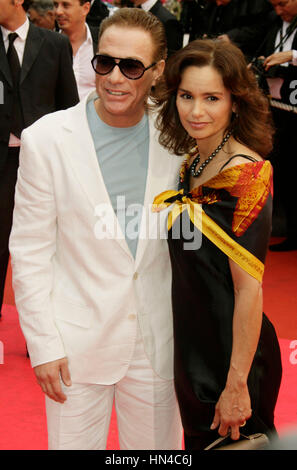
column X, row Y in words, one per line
column 92, row 280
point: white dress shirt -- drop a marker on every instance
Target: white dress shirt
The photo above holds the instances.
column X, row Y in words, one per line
column 287, row 44
column 19, row 44
column 82, row 67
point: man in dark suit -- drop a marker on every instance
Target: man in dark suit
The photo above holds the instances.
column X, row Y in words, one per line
column 282, row 82
column 173, row 27
column 36, row 77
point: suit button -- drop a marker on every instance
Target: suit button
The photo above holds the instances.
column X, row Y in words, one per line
column 135, row 276
column 132, row 316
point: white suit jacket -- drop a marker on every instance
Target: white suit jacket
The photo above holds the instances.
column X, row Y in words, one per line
column 79, row 294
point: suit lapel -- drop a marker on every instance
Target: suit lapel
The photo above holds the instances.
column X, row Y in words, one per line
column 4, row 67
column 79, row 147
column 273, row 34
column 155, row 8
column 33, row 44
column 162, row 167
column 94, row 33
column 32, row 47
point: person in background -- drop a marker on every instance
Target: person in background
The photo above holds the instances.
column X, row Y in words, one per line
column 37, row 77
column 42, row 14
column 91, row 275
column 227, row 357
column 71, row 17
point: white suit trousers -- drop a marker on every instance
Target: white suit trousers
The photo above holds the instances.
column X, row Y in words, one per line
column 147, row 412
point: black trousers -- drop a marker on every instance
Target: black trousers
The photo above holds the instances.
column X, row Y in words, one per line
column 8, row 177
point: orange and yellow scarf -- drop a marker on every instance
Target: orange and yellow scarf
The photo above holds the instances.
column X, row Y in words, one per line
column 250, row 183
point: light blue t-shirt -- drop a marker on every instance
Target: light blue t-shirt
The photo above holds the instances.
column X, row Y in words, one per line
column 123, row 159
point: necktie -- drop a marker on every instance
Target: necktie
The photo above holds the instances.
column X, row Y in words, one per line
column 15, row 69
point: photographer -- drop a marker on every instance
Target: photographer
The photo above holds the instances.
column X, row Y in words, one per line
column 276, row 64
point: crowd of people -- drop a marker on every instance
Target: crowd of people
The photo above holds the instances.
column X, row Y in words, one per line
column 100, row 104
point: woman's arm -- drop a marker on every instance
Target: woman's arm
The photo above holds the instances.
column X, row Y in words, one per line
column 234, row 406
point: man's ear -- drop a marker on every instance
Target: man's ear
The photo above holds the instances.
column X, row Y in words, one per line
column 158, row 71
column 86, row 7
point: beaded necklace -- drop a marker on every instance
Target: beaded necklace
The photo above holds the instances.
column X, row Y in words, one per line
column 195, row 162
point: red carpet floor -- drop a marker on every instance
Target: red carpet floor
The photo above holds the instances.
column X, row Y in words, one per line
column 22, row 413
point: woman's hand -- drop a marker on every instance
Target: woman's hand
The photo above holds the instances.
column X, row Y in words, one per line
column 232, row 410
column 234, row 405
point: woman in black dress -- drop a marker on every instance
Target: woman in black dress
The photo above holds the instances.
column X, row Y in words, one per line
column 227, row 357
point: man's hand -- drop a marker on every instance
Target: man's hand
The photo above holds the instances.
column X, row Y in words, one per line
column 48, row 376
column 278, row 58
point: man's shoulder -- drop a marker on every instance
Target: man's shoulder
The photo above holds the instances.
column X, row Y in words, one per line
column 53, row 37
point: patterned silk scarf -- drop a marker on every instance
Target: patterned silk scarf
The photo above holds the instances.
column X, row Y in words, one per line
column 250, row 183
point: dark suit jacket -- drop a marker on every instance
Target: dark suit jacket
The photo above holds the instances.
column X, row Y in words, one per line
column 47, row 81
column 267, row 48
column 173, row 28
column 97, row 13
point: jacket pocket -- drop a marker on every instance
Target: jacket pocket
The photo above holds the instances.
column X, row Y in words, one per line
column 71, row 312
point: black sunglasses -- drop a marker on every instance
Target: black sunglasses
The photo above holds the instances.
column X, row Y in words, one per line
column 131, row 68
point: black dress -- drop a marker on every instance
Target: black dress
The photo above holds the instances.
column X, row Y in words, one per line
column 236, row 222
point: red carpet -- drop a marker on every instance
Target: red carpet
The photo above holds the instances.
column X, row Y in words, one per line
column 22, row 414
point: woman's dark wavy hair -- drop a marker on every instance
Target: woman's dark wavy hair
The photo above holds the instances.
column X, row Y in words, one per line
column 252, row 125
